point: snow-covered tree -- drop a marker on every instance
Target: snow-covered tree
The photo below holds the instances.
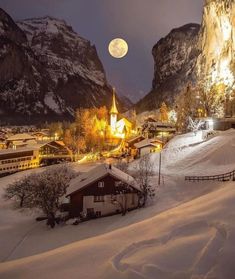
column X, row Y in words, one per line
column 44, row 190
column 195, row 125
column 144, row 173
column 50, row 187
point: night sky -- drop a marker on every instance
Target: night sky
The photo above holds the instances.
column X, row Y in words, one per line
column 140, row 22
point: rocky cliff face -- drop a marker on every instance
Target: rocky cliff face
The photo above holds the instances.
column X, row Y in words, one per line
column 202, row 55
column 175, row 57
column 47, row 71
column 216, row 64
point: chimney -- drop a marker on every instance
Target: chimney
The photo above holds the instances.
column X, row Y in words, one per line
column 110, row 166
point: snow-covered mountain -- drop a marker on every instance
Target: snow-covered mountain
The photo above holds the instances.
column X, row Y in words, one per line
column 47, row 71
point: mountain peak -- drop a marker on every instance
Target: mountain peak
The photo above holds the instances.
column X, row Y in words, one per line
column 9, row 29
column 49, row 76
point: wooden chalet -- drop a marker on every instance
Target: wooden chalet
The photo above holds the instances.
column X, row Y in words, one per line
column 104, row 190
column 20, row 140
column 147, row 146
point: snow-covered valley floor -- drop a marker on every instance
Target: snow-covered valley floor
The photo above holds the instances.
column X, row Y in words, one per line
column 188, row 231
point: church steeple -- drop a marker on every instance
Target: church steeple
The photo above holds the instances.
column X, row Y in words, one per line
column 114, row 107
column 113, row 114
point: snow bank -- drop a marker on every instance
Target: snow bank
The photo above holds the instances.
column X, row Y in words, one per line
column 194, row 240
column 185, row 155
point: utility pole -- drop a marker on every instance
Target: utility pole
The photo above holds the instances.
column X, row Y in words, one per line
column 160, row 163
column 159, row 173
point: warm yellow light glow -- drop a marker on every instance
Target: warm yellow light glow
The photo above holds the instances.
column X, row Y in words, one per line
column 118, row 48
column 226, row 28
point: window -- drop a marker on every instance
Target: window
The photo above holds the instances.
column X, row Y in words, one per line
column 101, row 184
column 98, row 198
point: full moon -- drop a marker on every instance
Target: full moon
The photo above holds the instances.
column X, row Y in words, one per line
column 118, row 48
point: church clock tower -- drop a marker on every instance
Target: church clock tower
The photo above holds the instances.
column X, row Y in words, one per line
column 113, row 114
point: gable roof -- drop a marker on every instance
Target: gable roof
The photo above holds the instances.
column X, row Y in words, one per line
column 136, row 138
column 148, row 142
column 22, row 136
column 98, row 172
column 40, row 144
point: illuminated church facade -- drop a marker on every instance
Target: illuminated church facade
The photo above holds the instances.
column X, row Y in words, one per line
column 121, row 128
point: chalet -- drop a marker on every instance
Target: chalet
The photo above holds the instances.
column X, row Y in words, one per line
column 147, row 146
column 52, row 151
column 42, row 136
column 130, row 145
column 152, row 128
column 104, row 190
column 20, row 140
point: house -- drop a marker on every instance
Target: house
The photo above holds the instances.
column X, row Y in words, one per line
column 147, row 146
column 104, row 190
column 20, row 140
column 152, row 128
column 42, row 136
column 52, row 151
column 130, row 145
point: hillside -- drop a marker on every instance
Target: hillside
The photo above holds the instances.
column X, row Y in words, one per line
column 201, row 231
column 195, row 220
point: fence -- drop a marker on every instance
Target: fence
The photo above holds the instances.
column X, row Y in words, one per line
column 229, row 176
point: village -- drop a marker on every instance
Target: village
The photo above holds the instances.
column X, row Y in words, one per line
column 100, row 135
column 108, row 145
column 117, row 139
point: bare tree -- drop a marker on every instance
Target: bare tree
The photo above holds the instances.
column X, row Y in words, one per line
column 122, row 165
column 144, row 173
column 20, row 191
column 44, row 190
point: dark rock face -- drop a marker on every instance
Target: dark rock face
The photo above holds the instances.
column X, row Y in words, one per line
column 47, row 71
column 175, row 57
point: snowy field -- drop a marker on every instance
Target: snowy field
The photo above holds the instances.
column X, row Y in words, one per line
column 188, row 231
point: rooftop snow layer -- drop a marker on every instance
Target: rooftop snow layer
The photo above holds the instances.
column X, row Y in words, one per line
column 97, row 173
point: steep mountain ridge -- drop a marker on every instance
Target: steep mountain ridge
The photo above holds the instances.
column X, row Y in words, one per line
column 175, row 57
column 202, row 55
column 47, row 71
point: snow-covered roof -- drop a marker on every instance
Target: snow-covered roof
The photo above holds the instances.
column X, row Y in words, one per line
column 40, row 144
column 148, row 142
column 18, row 150
column 98, row 172
column 22, row 136
column 135, row 138
column 124, row 121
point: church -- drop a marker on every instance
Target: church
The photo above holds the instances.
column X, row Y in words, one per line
column 121, row 128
